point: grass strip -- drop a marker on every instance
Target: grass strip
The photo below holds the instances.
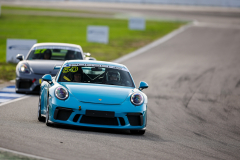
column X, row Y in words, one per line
column 16, row 8
column 73, row 30
column 10, row 156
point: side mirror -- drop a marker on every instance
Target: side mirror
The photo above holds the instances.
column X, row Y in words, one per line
column 87, row 54
column 20, row 57
column 47, row 77
column 143, row 85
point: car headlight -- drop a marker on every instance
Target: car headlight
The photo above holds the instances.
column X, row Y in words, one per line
column 24, row 68
column 61, row 93
column 137, row 99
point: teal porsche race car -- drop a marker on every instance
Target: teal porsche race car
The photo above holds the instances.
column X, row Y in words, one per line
column 93, row 94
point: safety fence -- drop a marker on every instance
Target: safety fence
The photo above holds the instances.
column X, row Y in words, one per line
column 222, row 3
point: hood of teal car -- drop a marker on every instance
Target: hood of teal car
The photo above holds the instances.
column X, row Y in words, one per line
column 101, row 94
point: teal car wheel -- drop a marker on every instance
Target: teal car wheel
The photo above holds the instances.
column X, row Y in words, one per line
column 40, row 118
column 47, row 114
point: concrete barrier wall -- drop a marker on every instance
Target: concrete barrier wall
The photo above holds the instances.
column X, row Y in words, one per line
column 222, row 3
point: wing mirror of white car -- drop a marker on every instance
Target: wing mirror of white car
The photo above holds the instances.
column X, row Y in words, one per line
column 143, row 85
column 47, row 77
column 87, row 54
column 20, row 57
column 57, row 67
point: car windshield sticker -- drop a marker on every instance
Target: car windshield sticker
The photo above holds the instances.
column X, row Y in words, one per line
column 106, row 66
column 75, row 65
column 92, row 65
column 73, row 69
column 66, row 78
column 57, row 47
column 65, row 70
column 38, row 51
column 70, row 69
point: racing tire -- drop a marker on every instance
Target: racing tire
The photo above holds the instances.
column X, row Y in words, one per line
column 47, row 117
column 47, row 114
column 137, row 132
column 40, row 118
column 146, row 119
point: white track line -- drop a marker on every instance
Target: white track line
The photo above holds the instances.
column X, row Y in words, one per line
column 13, row 95
column 23, row 154
column 154, row 44
column 14, row 100
column 8, row 89
column 217, row 25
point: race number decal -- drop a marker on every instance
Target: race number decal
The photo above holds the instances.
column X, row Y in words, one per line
column 73, row 69
column 65, row 69
column 70, row 69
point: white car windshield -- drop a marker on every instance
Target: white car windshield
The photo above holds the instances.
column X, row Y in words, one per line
column 99, row 75
column 55, row 53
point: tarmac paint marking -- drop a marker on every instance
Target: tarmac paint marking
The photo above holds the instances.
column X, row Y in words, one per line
column 9, row 89
column 8, row 94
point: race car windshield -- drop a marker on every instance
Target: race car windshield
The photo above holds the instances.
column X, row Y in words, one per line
column 97, row 75
column 55, row 53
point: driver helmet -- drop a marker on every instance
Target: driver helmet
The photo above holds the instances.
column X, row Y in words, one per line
column 113, row 76
column 47, row 54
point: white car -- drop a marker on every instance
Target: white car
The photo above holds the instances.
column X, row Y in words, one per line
column 41, row 60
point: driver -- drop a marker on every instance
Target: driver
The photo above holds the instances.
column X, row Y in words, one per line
column 113, row 77
column 77, row 76
column 47, row 54
column 70, row 55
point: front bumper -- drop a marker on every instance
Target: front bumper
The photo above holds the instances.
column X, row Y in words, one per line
column 124, row 116
column 28, row 83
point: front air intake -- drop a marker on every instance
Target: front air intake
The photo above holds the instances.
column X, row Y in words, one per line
column 62, row 113
column 135, row 119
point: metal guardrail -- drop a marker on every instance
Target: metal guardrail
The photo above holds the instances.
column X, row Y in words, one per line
column 221, row 3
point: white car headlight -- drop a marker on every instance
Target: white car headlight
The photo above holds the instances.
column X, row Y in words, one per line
column 137, row 99
column 24, row 68
column 61, row 93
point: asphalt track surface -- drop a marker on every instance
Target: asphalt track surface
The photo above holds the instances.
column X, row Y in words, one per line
column 193, row 109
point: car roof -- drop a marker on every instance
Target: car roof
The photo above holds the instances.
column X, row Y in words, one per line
column 57, row 44
column 95, row 63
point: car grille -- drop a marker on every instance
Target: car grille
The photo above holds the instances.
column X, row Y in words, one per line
column 25, row 84
column 76, row 117
column 122, row 121
column 99, row 120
